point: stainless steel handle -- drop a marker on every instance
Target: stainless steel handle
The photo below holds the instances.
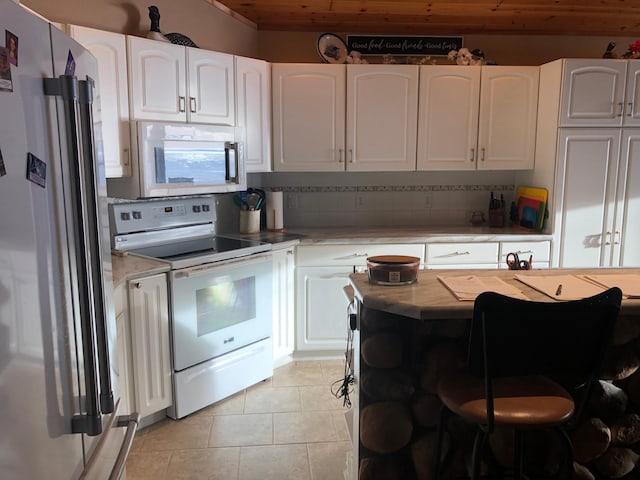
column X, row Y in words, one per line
column 131, row 423
column 351, row 155
column 181, row 104
column 630, row 111
column 188, row 272
column 620, row 109
column 616, row 238
column 339, row 155
column 353, row 255
column 607, row 238
column 232, row 176
column 482, row 159
column 473, row 155
column 126, row 155
column 192, row 104
column 95, row 244
column 461, row 253
column 67, row 87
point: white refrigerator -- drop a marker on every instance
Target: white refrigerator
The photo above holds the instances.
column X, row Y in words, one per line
column 59, row 395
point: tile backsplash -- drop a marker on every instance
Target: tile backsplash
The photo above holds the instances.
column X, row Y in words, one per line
column 378, row 199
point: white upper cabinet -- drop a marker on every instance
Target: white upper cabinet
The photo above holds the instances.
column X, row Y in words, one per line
column 308, row 117
column 382, row 117
column 253, row 103
column 600, row 93
column 477, row 118
column 314, row 105
column 508, row 115
column 112, row 95
column 448, row 117
column 175, row 83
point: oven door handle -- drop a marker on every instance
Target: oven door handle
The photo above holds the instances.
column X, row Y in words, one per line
column 197, row 270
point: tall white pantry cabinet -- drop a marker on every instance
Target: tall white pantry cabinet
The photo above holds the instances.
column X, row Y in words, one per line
column 588, row 151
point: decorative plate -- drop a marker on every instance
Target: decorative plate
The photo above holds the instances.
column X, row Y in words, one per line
column 331, row 48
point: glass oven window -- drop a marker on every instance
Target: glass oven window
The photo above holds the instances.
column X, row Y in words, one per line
column 197, row 163
column 226, row 303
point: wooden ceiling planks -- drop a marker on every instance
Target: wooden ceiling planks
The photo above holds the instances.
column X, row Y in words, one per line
column 443, row 17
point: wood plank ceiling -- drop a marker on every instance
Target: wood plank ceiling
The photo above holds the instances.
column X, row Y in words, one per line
column 444, row 17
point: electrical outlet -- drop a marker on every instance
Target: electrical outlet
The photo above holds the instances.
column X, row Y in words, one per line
column 292, row 201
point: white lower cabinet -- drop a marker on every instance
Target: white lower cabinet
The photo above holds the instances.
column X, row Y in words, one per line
column 462, row 255
column 322, row 271
column 123, row 358
column 151, row 355
column 537, row 251
column 283, row 303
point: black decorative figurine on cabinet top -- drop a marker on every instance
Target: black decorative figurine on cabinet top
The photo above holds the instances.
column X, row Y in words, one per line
column 156, row 34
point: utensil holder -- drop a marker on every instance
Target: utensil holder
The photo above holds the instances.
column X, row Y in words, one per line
column 249, row 221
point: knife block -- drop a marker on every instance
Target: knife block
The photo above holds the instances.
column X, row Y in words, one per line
column 496, row 217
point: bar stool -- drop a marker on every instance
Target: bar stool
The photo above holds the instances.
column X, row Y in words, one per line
column 530, row 365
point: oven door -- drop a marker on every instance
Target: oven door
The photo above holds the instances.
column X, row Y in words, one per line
column 220, row 307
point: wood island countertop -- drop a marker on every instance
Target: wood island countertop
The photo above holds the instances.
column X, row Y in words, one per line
column 429, row 299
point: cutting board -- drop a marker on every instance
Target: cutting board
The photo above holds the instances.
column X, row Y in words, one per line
column 532, row 207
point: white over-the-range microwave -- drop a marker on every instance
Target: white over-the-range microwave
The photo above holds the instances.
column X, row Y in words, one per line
column 170, row 159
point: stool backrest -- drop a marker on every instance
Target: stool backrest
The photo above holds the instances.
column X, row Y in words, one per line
column 565, row 341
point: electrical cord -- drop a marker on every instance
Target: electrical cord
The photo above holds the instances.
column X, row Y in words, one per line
column 343, row 387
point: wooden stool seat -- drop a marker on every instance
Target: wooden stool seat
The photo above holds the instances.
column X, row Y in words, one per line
column 533, row 401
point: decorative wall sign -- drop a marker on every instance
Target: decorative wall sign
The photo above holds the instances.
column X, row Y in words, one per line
column 402, row 45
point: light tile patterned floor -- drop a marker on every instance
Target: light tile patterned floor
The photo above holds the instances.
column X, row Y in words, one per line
column 288, row 427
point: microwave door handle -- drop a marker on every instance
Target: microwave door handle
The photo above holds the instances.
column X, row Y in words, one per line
column 94, row 242
column 66, row 86
column 228, row 147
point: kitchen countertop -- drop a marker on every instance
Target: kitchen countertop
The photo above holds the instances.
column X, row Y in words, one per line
column 428, row 234
column 129, row 266
column 133, row 266
column 429, row 299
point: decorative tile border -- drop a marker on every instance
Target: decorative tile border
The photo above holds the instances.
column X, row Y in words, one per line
column 399, row 188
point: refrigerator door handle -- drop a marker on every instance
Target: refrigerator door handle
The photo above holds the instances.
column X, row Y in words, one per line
column 131, row 422
column 94, row 242
column 89, row 420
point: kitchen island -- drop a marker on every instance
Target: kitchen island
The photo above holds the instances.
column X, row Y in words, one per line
column 407, row 337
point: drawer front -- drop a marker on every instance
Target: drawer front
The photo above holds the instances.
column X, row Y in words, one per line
column 538, row 250
column 347, row 255
column 462, row 253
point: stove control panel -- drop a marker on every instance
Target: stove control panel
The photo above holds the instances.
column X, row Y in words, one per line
column 140, row 216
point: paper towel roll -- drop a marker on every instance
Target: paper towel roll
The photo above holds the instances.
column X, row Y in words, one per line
column 274, row 211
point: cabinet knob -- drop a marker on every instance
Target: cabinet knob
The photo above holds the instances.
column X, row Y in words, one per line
column 482, row 158
column 137, row 285
column 289, row 252
column 473, row 155
column 192, row 104
column 339, row 155
column 351, row 155
column 125, row 155
column 630, row 112
column 621, row 109
column 181, row 104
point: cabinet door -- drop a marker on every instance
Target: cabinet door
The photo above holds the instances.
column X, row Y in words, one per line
column 592, row 93
column 448, row 117
column 212, row 87
column 508, row 116
column 631, row 116
column 308, row 117
column 585, row 182
column 627, row 226
column 382, row 117
column 110, row 50
column 149, row 318
column 157, row 80
column 283, row 303
column 253, row 111
column 322, row 308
